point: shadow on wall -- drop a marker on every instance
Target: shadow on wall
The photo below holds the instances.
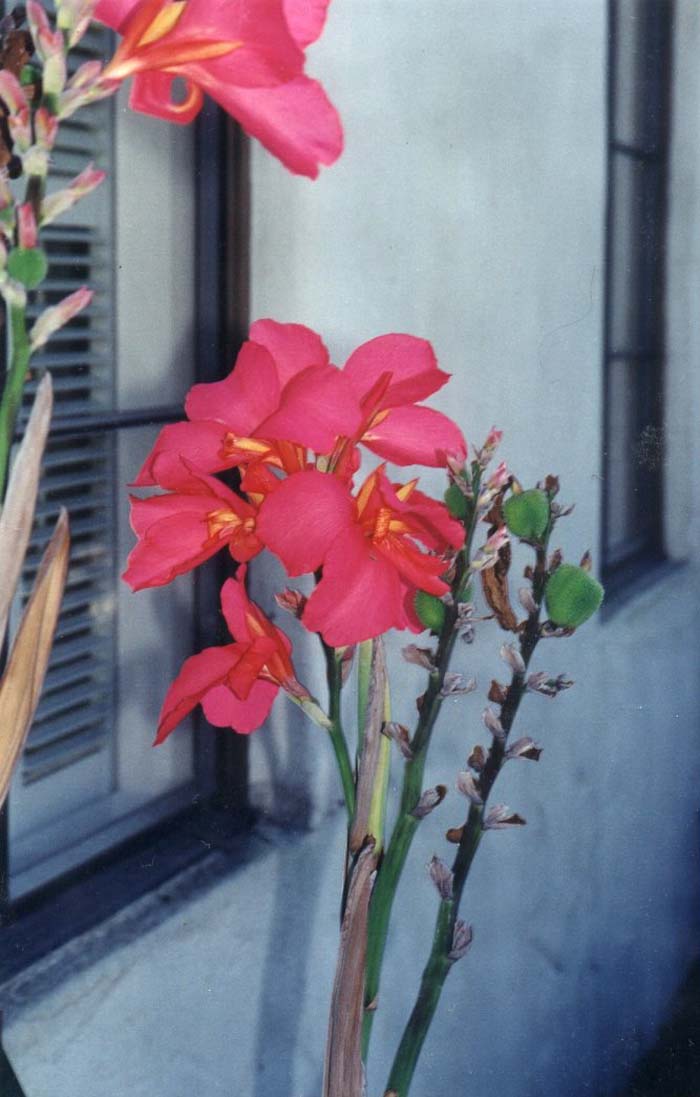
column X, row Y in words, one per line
column 672, row 1067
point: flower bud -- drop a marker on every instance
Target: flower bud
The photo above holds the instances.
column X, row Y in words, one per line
column 429, row 801
column 493, row 724
column 524, row 748
column 442, row 877
column 466, row 784
column 419, row 657
column 500, row 817
column 510, row 655
column 12, row 93
column 477, row 758
column 462, row 938
column 455, row 685
column 526, row 599
column 54, row 318
column 401, row 737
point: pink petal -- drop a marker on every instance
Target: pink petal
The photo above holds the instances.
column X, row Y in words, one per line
column 267, row 53
column 151, row 93
column 199, row 443
column 306, row 19
column 236, row 606
column 300, row 521
column 198, row 675
column 316, row 407
column 416, row 436
column 223, row 709
column 416, row 568
column 293, row 347
column 172, row 546
column 242, row 400
column 296, row 121
column 359, row 596
column 412, row 362
column 113, row 13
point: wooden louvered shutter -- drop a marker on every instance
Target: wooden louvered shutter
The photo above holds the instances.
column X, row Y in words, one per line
column 88, row 777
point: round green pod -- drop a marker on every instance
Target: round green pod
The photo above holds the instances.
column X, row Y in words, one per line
column 527, row 514
column 456, row 502
column 28, row 266
column 572, row 596
column 430, row 610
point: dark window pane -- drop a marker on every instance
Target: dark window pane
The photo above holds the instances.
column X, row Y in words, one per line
column 636, row 266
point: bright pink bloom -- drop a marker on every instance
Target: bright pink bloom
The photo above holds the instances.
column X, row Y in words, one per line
column 368, row 547
column 281, row 397
column 237, row 683
column 180, row 530
column 389, row 375
column 247, row 54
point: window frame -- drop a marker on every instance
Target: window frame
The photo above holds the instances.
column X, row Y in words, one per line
column 41, row 921
column 646, row 552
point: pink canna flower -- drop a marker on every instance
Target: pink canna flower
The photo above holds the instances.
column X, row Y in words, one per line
column 235, row 684
column 390, row 374
column 368, row 547
column 182, row 529
column 247, row 54
column 282, row 397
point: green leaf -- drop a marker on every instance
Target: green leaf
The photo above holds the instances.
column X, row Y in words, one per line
column 572, row 596
column 430, row 610
column 28, row 266
column 527, row 514
column 456, row 502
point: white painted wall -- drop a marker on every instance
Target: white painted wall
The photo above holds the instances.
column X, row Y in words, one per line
column 469, row 208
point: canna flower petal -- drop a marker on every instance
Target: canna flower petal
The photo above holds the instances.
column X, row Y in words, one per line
column 294, row 347
column 178, row 531
column 315, row 408
column 359, row 596
column 247, row 56
column 198, row 443
column 410, row 361
column 199, row 674
column 295, row 121
column 306, row 19
column 300, row 521
column 249, row 394
column 224, row 709
column 416, row 436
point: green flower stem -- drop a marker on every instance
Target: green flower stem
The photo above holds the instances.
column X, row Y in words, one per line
column 439, row 962
column 406, row 824
column 14, row 384
column 334, row 677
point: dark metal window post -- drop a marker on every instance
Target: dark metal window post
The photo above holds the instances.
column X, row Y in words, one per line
column 639, row 83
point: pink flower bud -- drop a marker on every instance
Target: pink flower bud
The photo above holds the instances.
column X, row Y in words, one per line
column 493, row 724
column 524, row 748
column 510, row 655
column 462, row 937
column 442, row 877
column 26, row 226
column 57, row 204
column 499, row 478
column 466, row 784
column 11, row 92
column 500, row 817
column 46, row 128
column 20, row 126
column 54, row 318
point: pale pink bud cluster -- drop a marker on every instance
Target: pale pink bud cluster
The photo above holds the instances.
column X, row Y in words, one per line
column 52, row 319
column 50, row 47
column 493, row 441
column 57, row 204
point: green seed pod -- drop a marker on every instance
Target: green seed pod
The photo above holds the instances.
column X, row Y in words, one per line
column 430, row 610
column 456, row 502
column 527, row 514
column 28, row 266
column 572, row 596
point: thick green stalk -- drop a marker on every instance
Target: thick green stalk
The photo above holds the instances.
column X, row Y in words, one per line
column 14, row 385
column 406, row 824
column 334, row 677
column 439, row 962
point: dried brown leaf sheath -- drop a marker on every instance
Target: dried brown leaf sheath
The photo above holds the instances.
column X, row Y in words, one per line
column 26, row 667
column 344, row 1071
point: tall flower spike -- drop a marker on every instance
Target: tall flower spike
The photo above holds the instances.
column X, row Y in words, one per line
column 248, row 57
